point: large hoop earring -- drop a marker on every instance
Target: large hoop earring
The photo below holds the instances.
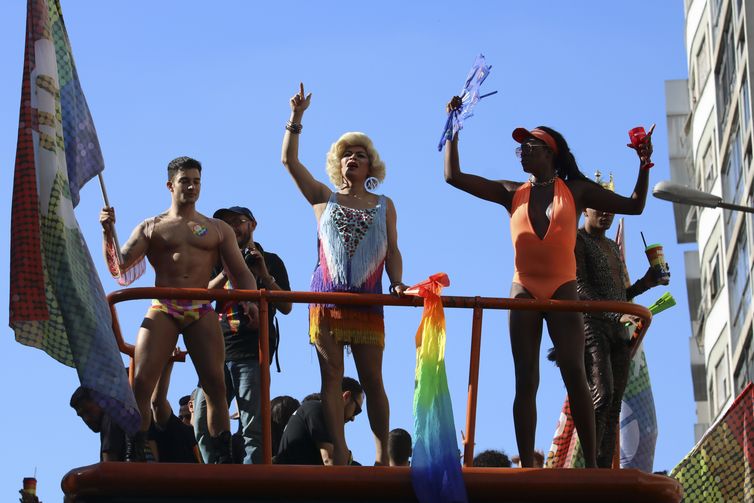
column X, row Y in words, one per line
column 371, row 184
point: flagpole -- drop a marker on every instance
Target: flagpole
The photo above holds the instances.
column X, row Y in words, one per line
column 107, row 205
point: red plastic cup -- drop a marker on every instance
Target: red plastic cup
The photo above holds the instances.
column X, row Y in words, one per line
column 30, row 485
column 637, row 136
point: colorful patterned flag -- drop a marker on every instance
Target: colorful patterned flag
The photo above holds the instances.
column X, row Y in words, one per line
column 638, row 422
column 57, row 302
column 565, row 451
column 435, row 463
column 719, row 467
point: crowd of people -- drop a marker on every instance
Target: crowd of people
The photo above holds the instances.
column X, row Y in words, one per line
column 357, row 243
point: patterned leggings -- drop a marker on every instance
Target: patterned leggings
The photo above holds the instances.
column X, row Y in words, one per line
column 607, row 358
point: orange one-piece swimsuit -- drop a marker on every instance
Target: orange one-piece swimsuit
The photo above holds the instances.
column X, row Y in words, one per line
column 543, row 265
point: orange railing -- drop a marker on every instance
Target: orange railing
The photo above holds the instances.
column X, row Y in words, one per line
column 477, row 304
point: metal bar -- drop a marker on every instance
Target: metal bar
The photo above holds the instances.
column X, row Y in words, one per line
column 476, row 347
column 363, row 299
column 735, row 207
column 264, row 370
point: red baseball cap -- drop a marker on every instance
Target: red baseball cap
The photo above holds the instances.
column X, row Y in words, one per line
column 522, row 134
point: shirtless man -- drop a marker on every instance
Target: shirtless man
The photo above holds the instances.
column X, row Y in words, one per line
column 183, row 246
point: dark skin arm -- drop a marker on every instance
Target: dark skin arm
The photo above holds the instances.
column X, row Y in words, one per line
column 588, row 194
column 497, row 191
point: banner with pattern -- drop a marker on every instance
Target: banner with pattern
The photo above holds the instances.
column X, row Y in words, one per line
column 638, row 422
column 719, row 467
column 57, row 302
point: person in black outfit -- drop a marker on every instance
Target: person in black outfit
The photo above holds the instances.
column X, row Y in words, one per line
column 306, row 440
column 112, row 437
column 281, row 410
column 399, row 448
column 171, row 440
column 242, row 340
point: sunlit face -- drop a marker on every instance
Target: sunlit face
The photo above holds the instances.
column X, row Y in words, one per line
column 186, row 185
column 355, row 163
column 600, row 220
column 91, row 414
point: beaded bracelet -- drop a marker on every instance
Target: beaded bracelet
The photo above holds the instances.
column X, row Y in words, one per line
column 293, row 127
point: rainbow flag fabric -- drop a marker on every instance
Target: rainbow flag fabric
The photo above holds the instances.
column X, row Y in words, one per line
column 435, row 463
column 57, row 302
column 719, row 467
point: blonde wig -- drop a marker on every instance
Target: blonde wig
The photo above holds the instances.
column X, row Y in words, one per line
column 353, row 139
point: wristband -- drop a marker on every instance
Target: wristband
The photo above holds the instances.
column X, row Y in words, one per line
column 391, row 289
column 294, row 127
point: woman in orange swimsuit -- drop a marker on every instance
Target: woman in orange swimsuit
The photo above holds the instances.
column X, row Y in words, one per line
column 544, row 216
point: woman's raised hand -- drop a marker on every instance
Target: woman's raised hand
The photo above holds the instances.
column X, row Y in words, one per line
column 454, row 104
column 644, row 149
column 300, row 101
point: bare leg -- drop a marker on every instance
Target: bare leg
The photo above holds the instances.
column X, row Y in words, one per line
column 567, row 333
column 368, row 361
column 155, row 343
column 204, row 342
column 330, row 354
column 526, row 335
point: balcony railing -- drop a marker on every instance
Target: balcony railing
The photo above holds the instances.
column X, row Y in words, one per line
column 264, row 297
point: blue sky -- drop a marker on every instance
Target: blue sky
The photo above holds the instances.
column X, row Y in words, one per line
column 212, row 80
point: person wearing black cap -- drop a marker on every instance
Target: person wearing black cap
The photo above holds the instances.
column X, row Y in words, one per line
column 241, row 340
column 544, row 217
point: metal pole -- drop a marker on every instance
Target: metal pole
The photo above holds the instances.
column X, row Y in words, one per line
column 264, row 371
column 736, row 207
column 476, row 347
column 107, row 205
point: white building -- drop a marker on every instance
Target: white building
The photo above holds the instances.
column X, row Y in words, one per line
column 710, row 143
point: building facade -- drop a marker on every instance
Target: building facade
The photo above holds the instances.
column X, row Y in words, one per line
column 710, row 147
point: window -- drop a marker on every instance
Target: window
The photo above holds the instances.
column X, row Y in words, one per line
column 745, row 106
column 744, row 367
column 708, row 165
column 714, row 278
column 738, row 285
column 732, row 179
column 702, row 64
column 725, row 75
column 721, row 382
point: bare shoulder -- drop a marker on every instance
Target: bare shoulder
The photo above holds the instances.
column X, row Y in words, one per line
column 510, row 185
column 578, row 186
column 221, row 226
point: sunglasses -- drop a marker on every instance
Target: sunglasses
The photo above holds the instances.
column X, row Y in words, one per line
column 356, row 410
column 527, row 148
